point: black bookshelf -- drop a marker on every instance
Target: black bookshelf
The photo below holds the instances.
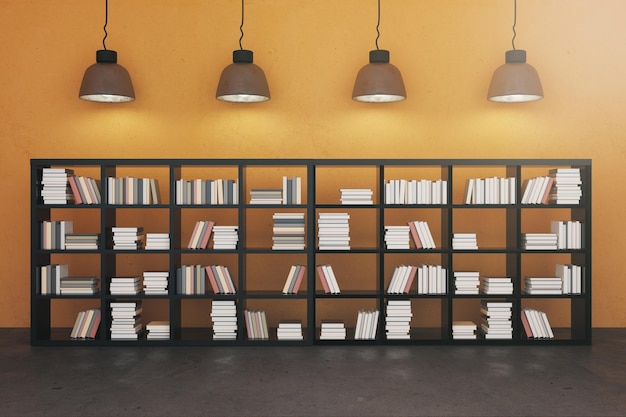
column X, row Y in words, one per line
column 321, row 179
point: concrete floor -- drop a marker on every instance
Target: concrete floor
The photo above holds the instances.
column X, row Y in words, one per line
column 314, row 380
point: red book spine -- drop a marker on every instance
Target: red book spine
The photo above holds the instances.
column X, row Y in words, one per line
column 320, row 273
column 296, row 286
column 416, row 238
column 74, row 187
column 212, row 281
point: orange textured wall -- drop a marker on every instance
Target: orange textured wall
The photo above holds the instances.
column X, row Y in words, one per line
column 311, row 51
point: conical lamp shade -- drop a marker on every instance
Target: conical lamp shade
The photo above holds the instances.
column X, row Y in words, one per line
column 515, row 81
column 106, row 81
column 379, row 81
column 243, row 81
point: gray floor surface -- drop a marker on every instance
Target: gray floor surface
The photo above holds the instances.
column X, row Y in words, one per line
column 314, row 380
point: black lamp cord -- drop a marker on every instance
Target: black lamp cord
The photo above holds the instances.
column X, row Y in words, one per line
column 106, row 21
column 241, row 26
column 377, row 26
column 514, row 23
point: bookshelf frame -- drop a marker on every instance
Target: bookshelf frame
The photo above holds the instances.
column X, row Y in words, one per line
column 578, row 333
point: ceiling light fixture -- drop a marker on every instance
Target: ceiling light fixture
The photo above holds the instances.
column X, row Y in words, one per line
column 515, row 81
column 379, row 81
column 106, row 81
column 242, row 81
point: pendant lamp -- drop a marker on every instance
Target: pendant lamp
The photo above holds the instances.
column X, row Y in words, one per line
column 515, row 81
column 106, row 81
column 242, row 81
column 379, row 81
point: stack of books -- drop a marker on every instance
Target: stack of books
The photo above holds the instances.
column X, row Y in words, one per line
column 158, row 330
column 87, row 324
column 220, row 279
column 86, row 190
column 128, row 238
column 496, row 319
column 224, row 317
column 291, row 330
column 50, row 277
column 155, row 282
column 572, row 278
column 55, row 186
column 225, row 237
column 266, row 196
column 492, row 285
column 333, row 330
column 464, row 330
column 398, row 319
column 292, row 190
column 422, row 238
column 540, row 241
column 397, row 237
column 333, row 231
column 464, row 241
column 294, row 279
column 125, row 285
column 201, row 234
column 466, row 282
column 356, row 196
column 328, row 279
column 82, row 241
column 126, row 320
column 157, row 241
column 190, row 280
column 432, row 279
column 402, row 279
column 288, row 231
column 256, row 324
column 543, row 285
column 366, row 325
column 536, row 324
column 79, row 285
column 567, row 186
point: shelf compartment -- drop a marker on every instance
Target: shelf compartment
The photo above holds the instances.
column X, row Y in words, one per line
column 269, row 272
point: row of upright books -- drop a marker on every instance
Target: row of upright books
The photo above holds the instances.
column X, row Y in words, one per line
column 416, row 191
column 133, row 191
column 492, row 190
column 191, row 279
column 207, row 192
